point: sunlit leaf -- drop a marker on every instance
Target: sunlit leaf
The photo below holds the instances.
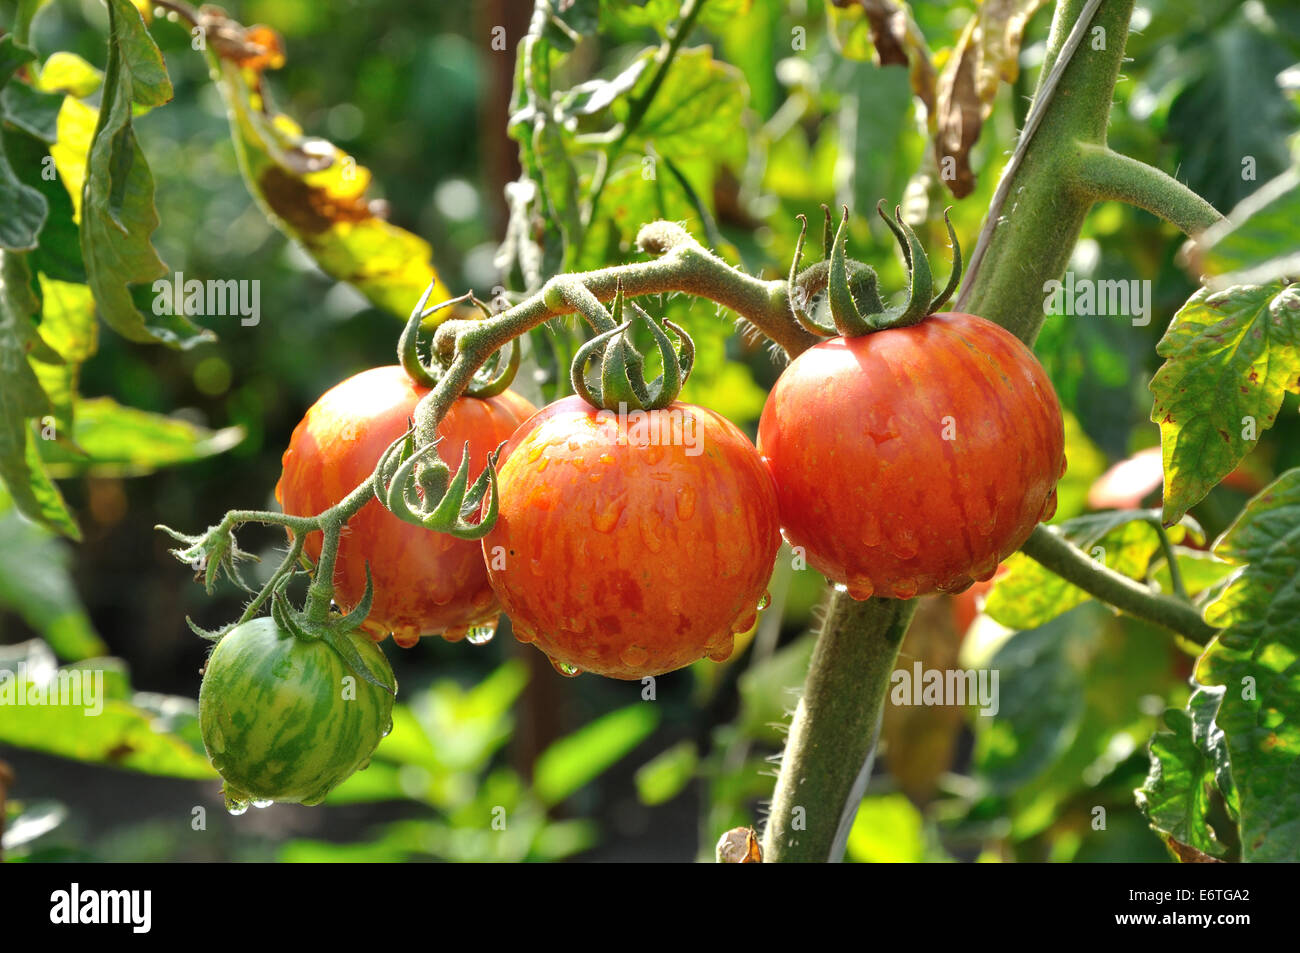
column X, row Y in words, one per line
column 576, row 760
column 124, row 441
column 312, row 190
column 666, row 775
column 1230, row 356
column 1254, row 659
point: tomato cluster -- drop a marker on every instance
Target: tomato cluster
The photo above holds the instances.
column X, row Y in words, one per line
column 900, row 462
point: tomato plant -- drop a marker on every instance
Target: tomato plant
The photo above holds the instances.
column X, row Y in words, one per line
column 609, row 176
column 425, row 583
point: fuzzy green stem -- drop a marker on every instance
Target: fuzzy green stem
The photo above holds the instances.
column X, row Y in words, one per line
column 834, row 729
column 1069, row 562
column 1101, row 174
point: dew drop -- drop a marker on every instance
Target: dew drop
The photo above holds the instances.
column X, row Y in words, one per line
column 764, row 600
column 565, row 669
column 262, row 803
column 388, row 730
column 744, row 622
column 481, row 634
column 685, row 503
column 904, row 544
column 633, row 656
column 860, row 588
column 985, row 568
column 406, row 640
column 524, row 633
column 870, row 530
column 721, row 650
column 840, row 587
column 536, row 452
column 456, row 633
column 604, row 520
column 904, row 588
column 236, row 806
column 1049, row 508
column 1064, row 464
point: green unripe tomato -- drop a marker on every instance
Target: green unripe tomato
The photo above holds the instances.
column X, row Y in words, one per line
column 285, row 718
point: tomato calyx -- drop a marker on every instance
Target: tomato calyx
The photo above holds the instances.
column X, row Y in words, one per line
column 496, row 374
column 334, row 630
column 417, row 486
column 853, row 297
column 619, row 383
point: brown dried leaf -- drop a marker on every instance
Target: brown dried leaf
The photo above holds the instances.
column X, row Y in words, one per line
column 986, row 55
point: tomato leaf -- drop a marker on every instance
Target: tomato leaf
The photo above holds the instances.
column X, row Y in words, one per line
column 1189, row 775
column 1229, row 358
column 309, row 188
column 666, row 775
column 36, row 584
column 25, row 207
column 575, row 760
column 68, row 326
column 123, row 441
column 697, row 110
column 47, row 710
column 117, row 212
column 1253, row 659
column 21, row 398
column 1256, row 243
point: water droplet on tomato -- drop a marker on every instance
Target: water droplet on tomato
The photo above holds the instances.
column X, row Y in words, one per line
column 565, row 669
column 871, row 530
column 685, row 503
column 743, row 623
column 262, row 803
column 406, row 640
column 764, row 600
column 455, row 634
column 524, row 633
column 860, row 588
column 840, row 587
column 481, row 634
column 633, row 656
column 904, row 544
column 1064, row 464
column 650, row 534
column 720, row 650
column 653, row 454
column 536, row 452
column 904, row 588
column 985, row 568
column 606, row 459
column 956, row 584
column 604, row 519
column 1049, row 508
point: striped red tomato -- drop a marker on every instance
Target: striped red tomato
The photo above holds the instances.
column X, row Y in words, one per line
column 913, row 459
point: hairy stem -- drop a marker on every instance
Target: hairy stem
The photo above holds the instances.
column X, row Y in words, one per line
column 1054, row 552
column 835, row 727
column 1100, row 174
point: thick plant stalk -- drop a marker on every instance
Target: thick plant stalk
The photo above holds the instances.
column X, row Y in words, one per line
column 835, row 726
column 1058, row 173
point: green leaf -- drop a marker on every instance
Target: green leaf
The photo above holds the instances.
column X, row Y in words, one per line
column 117, row 214
column 68, row 326
column 1189, row 769
column 574, row 761
column 1256, row 243
column 887, row 830
column 25, row 207
column 36, row 584
column 58, row 255
column 122, row 440
column 666, row 775
column 1229, row 358
column 1125, row 540
column 34, row 112
column 697, row 111
column 1254, row 659
column 61, row 713
column 21, row 398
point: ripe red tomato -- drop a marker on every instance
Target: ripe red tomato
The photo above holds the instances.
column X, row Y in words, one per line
column 916, row 458
column 634, row 547
column 424, row 582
